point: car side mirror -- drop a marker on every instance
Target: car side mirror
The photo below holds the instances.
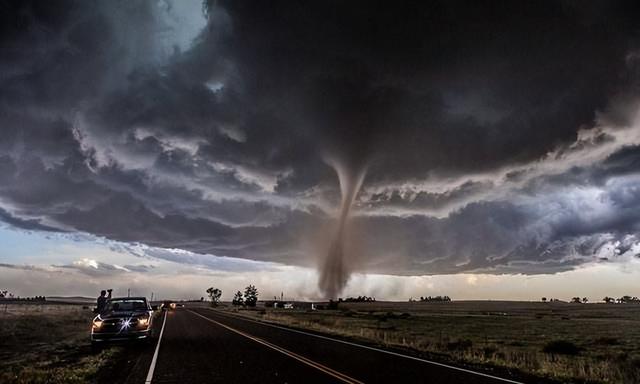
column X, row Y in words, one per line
column 154, row 307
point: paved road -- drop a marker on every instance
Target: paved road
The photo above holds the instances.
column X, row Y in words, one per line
column 199, row 345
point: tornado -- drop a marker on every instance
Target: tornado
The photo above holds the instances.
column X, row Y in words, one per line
column 334, row 272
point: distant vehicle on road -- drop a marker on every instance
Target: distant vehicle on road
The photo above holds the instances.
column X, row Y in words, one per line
column 168, row 305
column 124, row 318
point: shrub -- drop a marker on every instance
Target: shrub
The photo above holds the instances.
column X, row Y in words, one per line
column 561, row 347
column 489, row 351
column 460, row 345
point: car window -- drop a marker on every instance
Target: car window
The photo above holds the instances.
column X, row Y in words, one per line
column 126, row 305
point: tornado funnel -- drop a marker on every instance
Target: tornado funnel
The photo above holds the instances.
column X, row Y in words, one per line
column 334, row 273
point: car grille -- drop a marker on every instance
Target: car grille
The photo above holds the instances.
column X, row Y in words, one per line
column 116, row 325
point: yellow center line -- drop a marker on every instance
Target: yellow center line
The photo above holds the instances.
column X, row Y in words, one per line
column 338, row 375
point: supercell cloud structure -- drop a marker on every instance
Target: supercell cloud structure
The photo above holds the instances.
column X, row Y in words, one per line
column 495, row 139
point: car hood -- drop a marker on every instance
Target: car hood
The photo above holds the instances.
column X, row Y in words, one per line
column 122, row 314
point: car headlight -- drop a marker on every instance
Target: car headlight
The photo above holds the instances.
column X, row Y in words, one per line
column 97, row 323
column 143, row 321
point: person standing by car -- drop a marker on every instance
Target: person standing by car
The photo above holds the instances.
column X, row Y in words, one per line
column 102, row 300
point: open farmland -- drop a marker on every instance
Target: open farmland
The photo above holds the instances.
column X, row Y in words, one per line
column 557, row 341
column 45, row 343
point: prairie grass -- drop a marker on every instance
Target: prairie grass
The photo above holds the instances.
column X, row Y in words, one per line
column 597, row 343
column 48, row 344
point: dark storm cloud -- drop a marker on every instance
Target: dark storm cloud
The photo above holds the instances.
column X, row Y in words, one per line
column 496, row 136
column 431, row 86
column 24, row 223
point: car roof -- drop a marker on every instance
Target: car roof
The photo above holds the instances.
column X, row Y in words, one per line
column 128, row 298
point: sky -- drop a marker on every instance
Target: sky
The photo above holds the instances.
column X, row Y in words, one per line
column 476, row 149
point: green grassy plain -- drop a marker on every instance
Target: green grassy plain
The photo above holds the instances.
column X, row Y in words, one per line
column 581, row 343
column 44, row 343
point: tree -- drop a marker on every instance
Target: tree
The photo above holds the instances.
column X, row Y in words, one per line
column 250, row 296
column 237, row 299
column 544, row 299
column 585, row 300
column 626, row 299
column 608, row 299
column 576, row 300
column 214, row 295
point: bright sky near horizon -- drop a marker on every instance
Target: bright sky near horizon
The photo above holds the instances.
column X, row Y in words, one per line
column 40, row 263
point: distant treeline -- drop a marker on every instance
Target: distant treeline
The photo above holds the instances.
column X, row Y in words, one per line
column 609, row 300
column 622, row 300
column 30, row 299
column 359, row 299
column 5, row 295
column 432, row 299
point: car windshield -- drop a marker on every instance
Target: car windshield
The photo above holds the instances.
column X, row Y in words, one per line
column 126, row 305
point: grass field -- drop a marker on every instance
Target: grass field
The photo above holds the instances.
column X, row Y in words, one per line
column 597, row 343
column 46, row 343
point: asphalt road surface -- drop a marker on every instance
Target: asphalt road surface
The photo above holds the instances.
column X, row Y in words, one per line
column 200, row 345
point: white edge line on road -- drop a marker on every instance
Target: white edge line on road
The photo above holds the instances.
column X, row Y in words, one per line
column 152, row 367
column 370, row 348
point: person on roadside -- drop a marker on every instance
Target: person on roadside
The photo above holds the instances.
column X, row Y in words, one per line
column 102, row 300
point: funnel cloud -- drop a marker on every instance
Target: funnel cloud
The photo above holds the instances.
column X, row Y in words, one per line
column 334, row 273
